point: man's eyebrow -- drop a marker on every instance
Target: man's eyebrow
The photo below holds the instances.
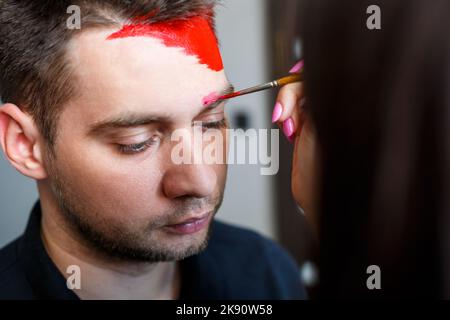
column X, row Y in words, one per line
column 127, row 120
column 229, row 89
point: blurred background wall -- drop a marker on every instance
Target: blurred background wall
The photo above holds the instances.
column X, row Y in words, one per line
column 242, row 28
column 258, row 42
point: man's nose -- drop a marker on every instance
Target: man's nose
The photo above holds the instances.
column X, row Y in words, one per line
column 193, row 180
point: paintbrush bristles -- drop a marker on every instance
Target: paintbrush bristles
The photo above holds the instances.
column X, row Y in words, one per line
column 289, row 79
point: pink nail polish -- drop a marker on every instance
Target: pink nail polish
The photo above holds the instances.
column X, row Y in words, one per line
column 298, row 66
column 277, row 112
column 288, row 128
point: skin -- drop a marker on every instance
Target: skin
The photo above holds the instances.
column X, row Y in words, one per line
column 130, row 198
column 305, row 172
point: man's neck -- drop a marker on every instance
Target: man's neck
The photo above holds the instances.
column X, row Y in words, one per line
column 103, row 278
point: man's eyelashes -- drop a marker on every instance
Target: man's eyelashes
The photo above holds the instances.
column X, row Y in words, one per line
column 137, row 148
column 215, row 125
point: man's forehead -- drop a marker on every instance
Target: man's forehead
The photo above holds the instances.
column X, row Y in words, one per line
column 133, row 64
column 194, row 35
column 142, row 74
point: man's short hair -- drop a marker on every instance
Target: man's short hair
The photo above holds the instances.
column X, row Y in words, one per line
column 35, row 73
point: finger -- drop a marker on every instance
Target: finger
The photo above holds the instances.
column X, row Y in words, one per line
column 285, row 100
column 289, row 97
column 287, row 110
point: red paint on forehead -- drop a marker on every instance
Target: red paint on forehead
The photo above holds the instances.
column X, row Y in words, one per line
column 195, row 35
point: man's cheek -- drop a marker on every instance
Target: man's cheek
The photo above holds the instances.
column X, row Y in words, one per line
column 128, row 184
column 112, row 194
column 109, row 179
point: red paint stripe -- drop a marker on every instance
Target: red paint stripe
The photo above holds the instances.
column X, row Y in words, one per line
column 195, row 35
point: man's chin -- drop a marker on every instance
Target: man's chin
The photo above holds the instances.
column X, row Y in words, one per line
column 173, row 243
column 173, row 250
column 179, row 246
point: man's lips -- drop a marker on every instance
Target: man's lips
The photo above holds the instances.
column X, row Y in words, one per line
column 189, row 225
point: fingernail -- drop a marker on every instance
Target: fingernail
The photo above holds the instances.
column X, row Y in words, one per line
column 277, row 111
column 298, row 66
column 288, row 128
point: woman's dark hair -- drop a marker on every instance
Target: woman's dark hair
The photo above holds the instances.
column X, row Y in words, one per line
column 380, row 101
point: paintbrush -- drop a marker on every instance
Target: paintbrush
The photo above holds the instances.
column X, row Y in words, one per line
column 298, row 77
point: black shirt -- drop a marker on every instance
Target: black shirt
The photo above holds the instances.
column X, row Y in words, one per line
column 237, row 264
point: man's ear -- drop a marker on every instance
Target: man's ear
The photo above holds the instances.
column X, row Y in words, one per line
column 21, row 142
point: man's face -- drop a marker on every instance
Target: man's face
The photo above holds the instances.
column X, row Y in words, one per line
column 113, row 174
